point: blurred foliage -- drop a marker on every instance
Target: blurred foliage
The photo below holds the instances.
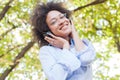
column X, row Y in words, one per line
column 100, row 23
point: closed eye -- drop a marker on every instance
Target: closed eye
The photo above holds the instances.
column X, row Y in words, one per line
column 53, row 22
column 63, row 16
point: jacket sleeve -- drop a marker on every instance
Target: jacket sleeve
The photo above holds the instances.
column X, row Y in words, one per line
column 58, row 70
column 88, row 54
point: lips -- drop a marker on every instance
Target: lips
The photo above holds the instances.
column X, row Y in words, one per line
column 63, row 27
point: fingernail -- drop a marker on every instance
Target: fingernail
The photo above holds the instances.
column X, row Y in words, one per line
column 45, row 38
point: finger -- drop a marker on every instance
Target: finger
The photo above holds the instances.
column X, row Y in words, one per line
column 48, row 39
column 53, row 36
column 71, row 21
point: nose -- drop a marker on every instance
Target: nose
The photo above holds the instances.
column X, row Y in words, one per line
column 61, row 21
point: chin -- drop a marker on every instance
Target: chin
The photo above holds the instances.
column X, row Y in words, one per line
column 66, row 34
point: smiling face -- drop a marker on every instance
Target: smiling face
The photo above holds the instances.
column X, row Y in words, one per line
column 58, row 23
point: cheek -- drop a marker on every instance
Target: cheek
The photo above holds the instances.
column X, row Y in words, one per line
column 52, row 28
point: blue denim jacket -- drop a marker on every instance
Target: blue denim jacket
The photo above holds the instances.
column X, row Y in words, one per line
column 63, row 64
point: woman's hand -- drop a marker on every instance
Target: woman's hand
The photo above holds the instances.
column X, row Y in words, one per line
column 58, row 41
column 79, row 45
column 74, row 32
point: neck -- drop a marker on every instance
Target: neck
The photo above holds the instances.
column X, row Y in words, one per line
column 68, row 39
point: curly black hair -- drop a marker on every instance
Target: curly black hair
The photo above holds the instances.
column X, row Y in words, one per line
column 38, row 19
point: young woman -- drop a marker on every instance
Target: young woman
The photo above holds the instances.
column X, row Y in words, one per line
column 63, row 55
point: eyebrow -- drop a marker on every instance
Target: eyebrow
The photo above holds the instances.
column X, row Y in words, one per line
column 55, row 17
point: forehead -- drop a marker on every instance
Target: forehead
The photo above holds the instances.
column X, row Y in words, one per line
column 53, row 14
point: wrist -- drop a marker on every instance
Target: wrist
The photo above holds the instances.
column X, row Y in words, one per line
column 66, row 45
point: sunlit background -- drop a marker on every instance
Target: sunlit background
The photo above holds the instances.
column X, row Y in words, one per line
column 97, row 20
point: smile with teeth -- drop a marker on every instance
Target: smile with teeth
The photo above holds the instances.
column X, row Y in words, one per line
column 63, row 27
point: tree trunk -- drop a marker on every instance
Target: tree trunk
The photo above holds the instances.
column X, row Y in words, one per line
column 16, row 60
column 5, row 9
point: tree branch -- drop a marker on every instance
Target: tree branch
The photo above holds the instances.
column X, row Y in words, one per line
column 90, row 4
column 11, row 49
column 116, row 38
column 5, row 9
column 16, row 60
column 114, row 31
column 2, row 35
